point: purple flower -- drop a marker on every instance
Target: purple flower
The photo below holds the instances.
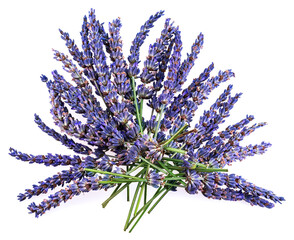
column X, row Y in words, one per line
column 48, row 160
column 77, row 147
column 155, row 179
column 54, row 200
column 193, row 182
column 189, row 62
column 138, row 41
column 58, row 179
column 154, row 152
column 252, row 194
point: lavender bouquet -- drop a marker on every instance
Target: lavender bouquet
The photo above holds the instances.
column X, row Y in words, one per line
column 118, row 146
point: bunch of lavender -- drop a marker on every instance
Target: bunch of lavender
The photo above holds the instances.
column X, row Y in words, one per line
column 121, row 146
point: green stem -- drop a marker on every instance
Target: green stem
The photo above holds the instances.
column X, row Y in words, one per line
column 135, row 168
column 199, row 169
column 141, row 109
column 174, row 178
column 188, row 132
column 175, row 167
column 170, row 172
column 116, row 189
column 181, row 147
column 128, row 187
column 180, row 161
column 110, row 173
column 136, row 104
column 196, row 164
column 159, row 120
column 145, row 193
column 153, row 165
column 145, row 186
column 144, row 209
column 114, row 194
column 108, row 182
column 161, row 197
column 211, row 170
column 132, row 205
column 119, row 180
column 145, row 205
column 139, row 218
column 176, row 150
column 172, row 159
column 175, row 135
column 104, row 204
column 139, row 198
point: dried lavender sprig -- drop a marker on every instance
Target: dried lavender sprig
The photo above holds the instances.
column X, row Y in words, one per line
column 65, row 120
column 58, row 179
column 80, row 98
column 137, row 43
column 232, row 143
column 47, row 160
column 233, row 181
column 197, row 94
column 119, row 65
column 71, row 68
column 96, row 26
column 68, row 142
column 156, row 63
column 188, row 63
column 54, row 200
column 72, row 47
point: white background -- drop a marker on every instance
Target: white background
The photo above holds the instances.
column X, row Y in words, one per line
column 254, row 38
